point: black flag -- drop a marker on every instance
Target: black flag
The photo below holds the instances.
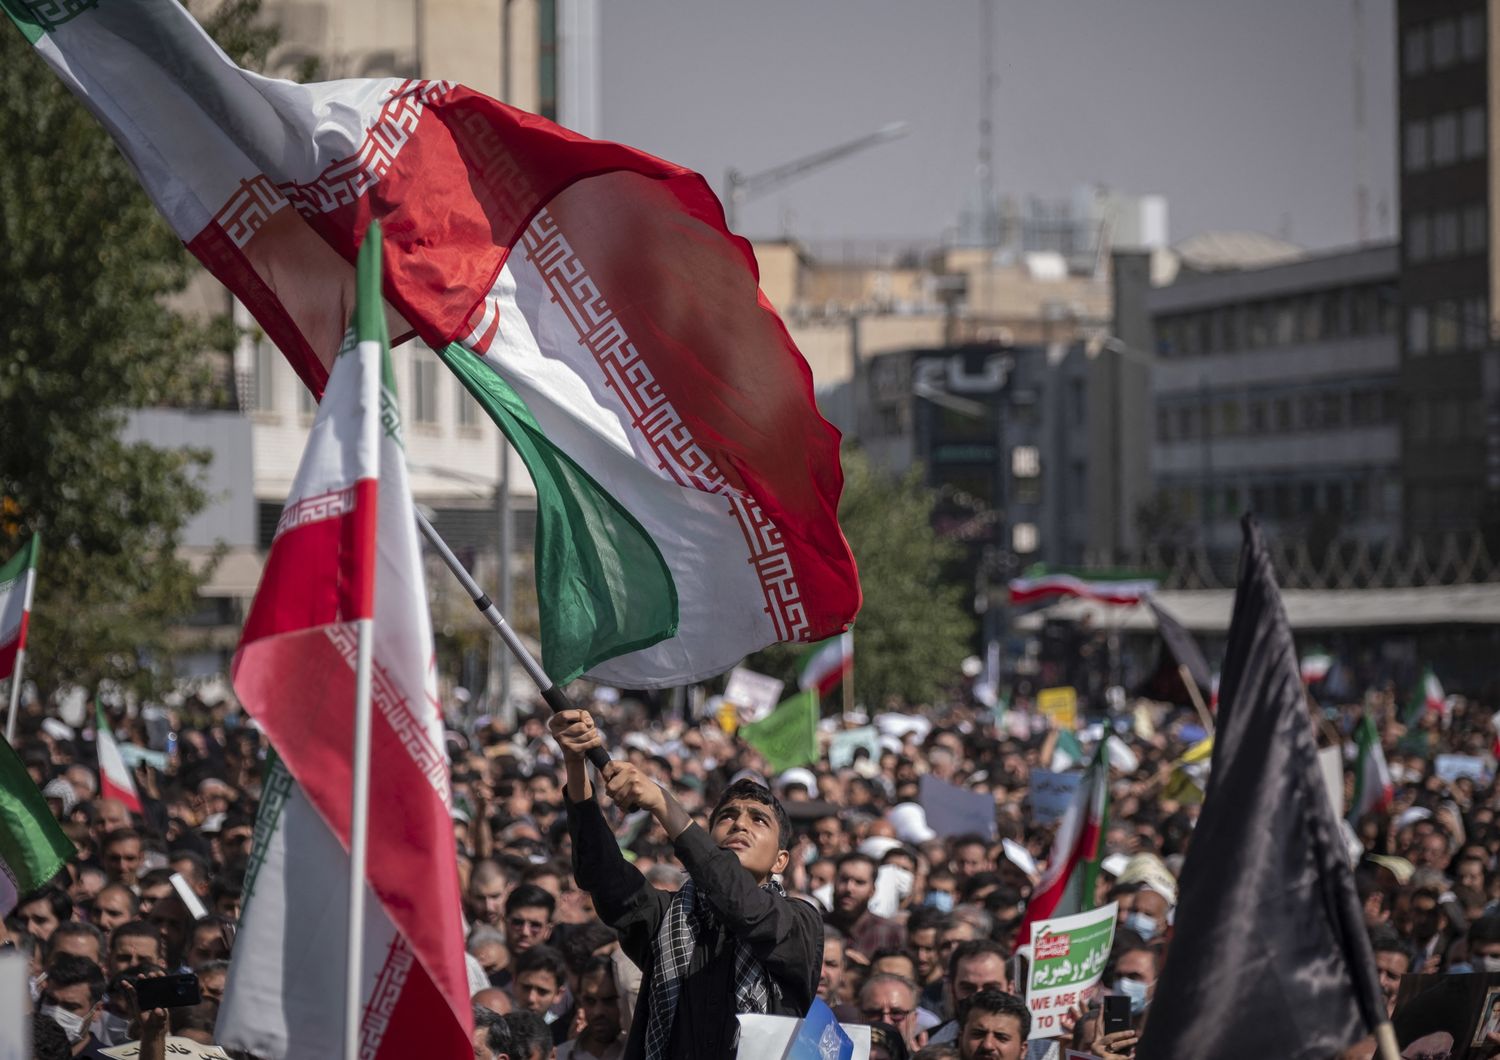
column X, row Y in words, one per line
column 1178, row 650
column 1269, row 956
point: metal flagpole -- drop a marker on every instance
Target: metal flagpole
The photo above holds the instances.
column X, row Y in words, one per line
column 18, row 675
column 555, row 697
column 849, row 678
column 359, row 835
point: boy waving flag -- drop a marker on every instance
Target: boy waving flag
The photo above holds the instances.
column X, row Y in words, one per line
column 346, row 552
column 729, row 942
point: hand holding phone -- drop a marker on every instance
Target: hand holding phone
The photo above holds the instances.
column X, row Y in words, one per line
column 168, row 991
column 1116, row 1013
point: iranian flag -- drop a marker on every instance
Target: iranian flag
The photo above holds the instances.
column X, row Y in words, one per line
column 17, row 584
column 827, row 664
column 345, row 553
column 1106, row 590
column 589, row 296
column 33, row 847
column 1068, row 885
column 115, row 781
column 1426, row 698
column 1372, row 777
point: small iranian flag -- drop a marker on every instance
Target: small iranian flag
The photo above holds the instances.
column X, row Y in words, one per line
column 1372, row 777
column 32, row 845
column 115, row 781
column 1105, row 589
column 1426, row 698
column 826, row 664
column 1068, row 885
column 17, row 584
column 325, row 577
column 587, row 294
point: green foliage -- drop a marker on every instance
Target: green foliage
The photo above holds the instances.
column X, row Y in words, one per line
column 87, row 267
column 913, row 631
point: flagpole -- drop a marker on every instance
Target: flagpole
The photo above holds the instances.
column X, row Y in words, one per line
column 15, row 696
column 359, row 835
column 849, row 682
column 555, row 697
column 1196, row 696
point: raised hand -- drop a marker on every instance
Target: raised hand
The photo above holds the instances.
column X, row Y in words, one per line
column 633, row 790
column 575, row 733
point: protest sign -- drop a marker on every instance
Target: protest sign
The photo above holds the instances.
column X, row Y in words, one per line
column 1051, row 794
column 769, row 1037
column 788, row 737
column 841, row 749
column 15, row 1020
column 820, row 1037
column 1451, row 767
column 1059, row 706
column 952, row 810
column 755, row 694
column 135, row 756
column 1068, row 958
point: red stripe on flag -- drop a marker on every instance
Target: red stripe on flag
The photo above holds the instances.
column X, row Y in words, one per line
column 110, row 790
column 8, row 657
column 299, row 687
column 415, row 1027
column 300, row 588
column 1044, row 903
column 833, row 678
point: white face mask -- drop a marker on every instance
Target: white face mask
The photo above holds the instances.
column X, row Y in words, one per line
column 1489, row 964
column 1143, row 925
column 71, row 1023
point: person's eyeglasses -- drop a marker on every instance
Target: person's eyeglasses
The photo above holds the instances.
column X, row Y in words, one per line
column 887, row 1013
column 522, row 924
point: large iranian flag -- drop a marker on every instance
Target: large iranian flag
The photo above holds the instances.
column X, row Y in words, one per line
column 17, row 584
column 1068, row 884
column 1105, row 588
column 588, row 294
column 346, row 550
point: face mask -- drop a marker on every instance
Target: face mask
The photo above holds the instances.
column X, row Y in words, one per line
column 1136, row 991
column 1489, row 964
column 1142, row 925
column 71, row 1023
column 111, row 1029
column 942, row 901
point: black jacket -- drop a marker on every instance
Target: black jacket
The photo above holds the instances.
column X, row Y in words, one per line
column 784, row 934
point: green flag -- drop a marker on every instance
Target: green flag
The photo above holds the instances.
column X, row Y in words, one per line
column 32, row 844
column 789, row 736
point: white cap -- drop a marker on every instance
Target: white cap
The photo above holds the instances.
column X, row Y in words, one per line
column 910, row 822
column 878, row 846
column 1115, row 864
column 797, row 775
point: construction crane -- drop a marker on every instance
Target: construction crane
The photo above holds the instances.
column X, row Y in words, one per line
column 739, row 188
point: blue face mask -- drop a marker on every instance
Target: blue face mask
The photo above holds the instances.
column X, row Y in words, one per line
column 942, row 901
column 1142, row 925
column 1135, row 990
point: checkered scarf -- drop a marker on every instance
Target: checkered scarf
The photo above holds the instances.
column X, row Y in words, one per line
column 686, row 918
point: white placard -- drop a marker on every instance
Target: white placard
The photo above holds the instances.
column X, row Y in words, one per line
column 755, row 694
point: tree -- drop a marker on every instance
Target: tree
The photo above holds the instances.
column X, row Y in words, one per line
column 913, row 631
column 87, row 268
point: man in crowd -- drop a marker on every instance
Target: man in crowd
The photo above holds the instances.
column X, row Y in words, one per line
column 853, row 887
column 993, row 1026
column 603, row 1035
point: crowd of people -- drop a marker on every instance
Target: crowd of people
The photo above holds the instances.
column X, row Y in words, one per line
column 850, row 895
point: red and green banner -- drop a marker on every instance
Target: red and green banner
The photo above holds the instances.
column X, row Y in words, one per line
column 17, row 585
column 1106, row 588
column 588, row 294
column 827, row 664
column 1373, row 790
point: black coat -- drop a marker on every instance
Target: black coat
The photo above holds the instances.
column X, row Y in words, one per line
column 784, row 934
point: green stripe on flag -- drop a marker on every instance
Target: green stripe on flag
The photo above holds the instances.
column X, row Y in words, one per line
column 33, row 847
column 789, row 735
column 23, row 561
column 609, row 589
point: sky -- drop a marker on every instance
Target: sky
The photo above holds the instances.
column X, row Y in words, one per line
column 1240, row 113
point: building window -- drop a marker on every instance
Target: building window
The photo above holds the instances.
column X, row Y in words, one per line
column 1416, row 146
column 307, row 405
column 1471, row 36
column 1286, row 323
column 1475, row 134
column 423, row 388
column 1163, row 426
column 1229, row 418
column 1259, row 419
column 1476, row 230
column 1414, row 51
column 1418, row 238
column 1417, row 339
column 1024, row 538
column 1443, row 40
column 1445, row 326
column 1476, row 323
column 1283, row 414
column 468, row 408
column 1445, row 234
column 264, row 397
column 1445, row 139
column 1025, row 461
